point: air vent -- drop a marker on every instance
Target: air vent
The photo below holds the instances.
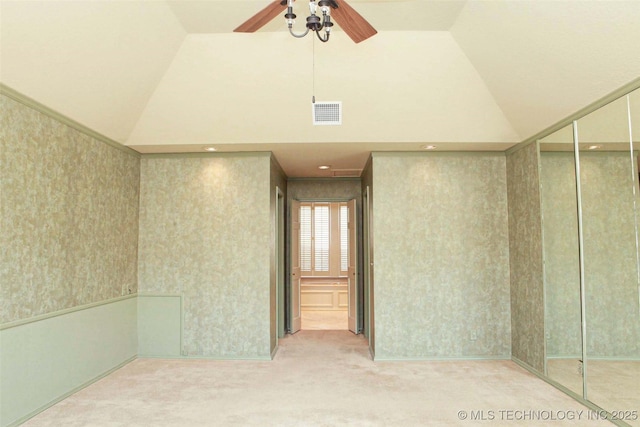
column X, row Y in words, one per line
column 327, row 113
column 347, row 173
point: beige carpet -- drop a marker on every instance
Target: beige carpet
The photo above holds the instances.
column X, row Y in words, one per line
column 324, row 320
column 615, row 385
column 318, row 378
column 611, row 384
column 567, row 372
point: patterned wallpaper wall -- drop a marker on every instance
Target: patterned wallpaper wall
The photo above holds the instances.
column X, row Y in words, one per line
column 205, row 233
column 441, row 255
column 611, row 271
column 305, row 189
column 610, row 258
column 525, row 254
column 561, row 254
column 69, row 216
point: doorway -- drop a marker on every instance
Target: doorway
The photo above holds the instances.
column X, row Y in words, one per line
column 324, row 286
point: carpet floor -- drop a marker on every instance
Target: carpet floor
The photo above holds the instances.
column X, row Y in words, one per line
column 612, row 384
column 318, row 378
column 324, row 320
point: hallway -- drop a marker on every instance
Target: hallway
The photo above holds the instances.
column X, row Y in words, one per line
column 318, row 378
column 314, row 320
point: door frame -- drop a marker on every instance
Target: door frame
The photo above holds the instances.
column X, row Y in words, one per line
column 280, row 263
column 353, row 318
column 367, row 268
column 361, row 303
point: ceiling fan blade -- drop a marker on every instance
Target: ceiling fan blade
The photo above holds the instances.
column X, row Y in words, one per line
column 352, row 22
column 261, row 18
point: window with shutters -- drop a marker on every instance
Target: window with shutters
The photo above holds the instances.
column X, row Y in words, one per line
column 321, row 238
column 305, row 238
column 344, row 238
column 324, row 237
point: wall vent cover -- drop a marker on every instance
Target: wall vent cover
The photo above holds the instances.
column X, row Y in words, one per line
column 343, row 173
column 327, row 113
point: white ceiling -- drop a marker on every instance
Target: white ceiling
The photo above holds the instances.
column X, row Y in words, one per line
column 219, row 16
column 171, row 76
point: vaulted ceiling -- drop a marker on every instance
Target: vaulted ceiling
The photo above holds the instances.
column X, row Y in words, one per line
column 172, row 76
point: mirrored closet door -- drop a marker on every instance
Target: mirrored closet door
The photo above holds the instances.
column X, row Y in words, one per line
column 590, row 196
column 563, row 315
column 608, row 188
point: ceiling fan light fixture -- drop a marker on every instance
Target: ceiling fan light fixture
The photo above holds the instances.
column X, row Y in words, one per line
column 314, row 22
column 350, row 21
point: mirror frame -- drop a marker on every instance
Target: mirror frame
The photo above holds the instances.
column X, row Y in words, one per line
column 624, row 91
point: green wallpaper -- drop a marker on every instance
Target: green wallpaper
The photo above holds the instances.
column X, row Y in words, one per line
column 335, row 188
column 525, row 255
column 68, row 216
column 561, row 254
column 205, row 234
column 611, row 272
column 441, row 255
column 610, row 258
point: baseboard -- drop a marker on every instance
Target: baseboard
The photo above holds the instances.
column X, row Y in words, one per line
column 614, row 359
column 214, row 357
column 440, row 359
column 69, row 393
column 567, row 356
column 570, row 393
column 528, row 367
column 599, row 358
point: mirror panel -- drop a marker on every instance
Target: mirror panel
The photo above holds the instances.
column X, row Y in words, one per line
column 608, row 185
column 630, row 397
column 563, row 315
column 634, row 105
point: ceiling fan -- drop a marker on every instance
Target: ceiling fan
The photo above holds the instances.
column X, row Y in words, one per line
column 349, row 20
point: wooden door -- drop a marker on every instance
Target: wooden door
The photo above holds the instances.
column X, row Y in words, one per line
column 295, row 320
column 352, row 272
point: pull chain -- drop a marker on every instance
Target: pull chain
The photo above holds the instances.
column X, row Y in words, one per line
column 313, row 71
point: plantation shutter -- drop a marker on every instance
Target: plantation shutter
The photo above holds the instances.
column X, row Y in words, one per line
column 322, row 237
column 305, row 238
column 344, row 238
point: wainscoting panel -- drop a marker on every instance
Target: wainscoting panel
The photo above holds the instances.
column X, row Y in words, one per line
column 324, row 295
column 159, row 325
column 45, row 360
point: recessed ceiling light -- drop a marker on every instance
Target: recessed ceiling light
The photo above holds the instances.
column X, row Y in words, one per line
column 210, row 149
column 324, row 167
column 429, row 147
column 594, row 147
